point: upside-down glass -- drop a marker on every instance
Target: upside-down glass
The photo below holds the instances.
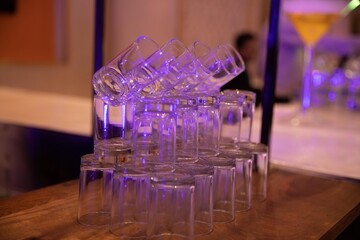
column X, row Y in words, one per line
column 249, row 101
column 154, row 131
column 203, row 201
column 171, row 212
column 260, row 168
column 186, row 127
column 130, row 201
column 243, row 178
column 208, row 125
column 112, row 81
column 95, row 191
column 223, row 187
column 112, row 130
column 231, row 113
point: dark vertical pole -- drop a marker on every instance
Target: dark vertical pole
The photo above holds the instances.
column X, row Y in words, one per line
column 98, row 38
column 270, row 73
column 99, row 34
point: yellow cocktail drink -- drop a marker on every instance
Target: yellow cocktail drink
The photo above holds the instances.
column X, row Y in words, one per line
column 311, row 26
column 311, row 19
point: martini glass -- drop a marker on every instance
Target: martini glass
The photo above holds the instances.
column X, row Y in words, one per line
column 312, row 19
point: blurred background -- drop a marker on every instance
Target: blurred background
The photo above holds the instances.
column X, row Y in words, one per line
column 46, row 66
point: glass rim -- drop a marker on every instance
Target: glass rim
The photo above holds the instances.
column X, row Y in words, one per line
column 194, row 168
column 89, row 157
column 249, row 96
column 218, row 161
column 236, row 153
column 147, row 168
column 152, row 105
column 228, row 54
column 207, row 100
column 112, row 94
column 181, row 101
column 252, row 147
column 93, row 160
column 173, row 178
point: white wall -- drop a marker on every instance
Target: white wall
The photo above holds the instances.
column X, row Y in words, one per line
column 126, row 20
column 210, row 21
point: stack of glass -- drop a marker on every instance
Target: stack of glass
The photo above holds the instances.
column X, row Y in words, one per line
column 169, row 158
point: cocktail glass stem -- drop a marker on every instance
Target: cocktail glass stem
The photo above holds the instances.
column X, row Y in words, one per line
column 307, row 78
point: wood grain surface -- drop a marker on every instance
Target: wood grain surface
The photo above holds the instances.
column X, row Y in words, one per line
column 299, row 206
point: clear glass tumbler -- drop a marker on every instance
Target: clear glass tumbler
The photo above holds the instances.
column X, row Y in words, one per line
column 112, row 129
column 157, row 71
column 181, row 68
column 186, row 127
column 249, row 101
column 113, row 81
column 223, row 188
column 154, row 131
column 231, row 64
column 260, row 168
column 231, row 112
column 130, row 201
column 221, row 64
column 243, row 177
column 95, row 191
column 203, row 175
column 208, row 125
column 171, row 213
column 207, row 64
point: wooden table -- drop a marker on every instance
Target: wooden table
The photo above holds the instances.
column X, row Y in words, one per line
column 299, row 206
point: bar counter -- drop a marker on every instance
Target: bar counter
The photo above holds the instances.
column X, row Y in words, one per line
column 300, row 205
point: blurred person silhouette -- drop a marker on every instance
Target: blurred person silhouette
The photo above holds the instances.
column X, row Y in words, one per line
column 246, row 44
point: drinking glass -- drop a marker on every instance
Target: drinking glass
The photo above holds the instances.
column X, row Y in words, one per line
column 95, row 191
column 260, row 168
column 311, row 19
column 231, row 114
column 248, row 107
column 112, row 81
column 220, row 64
column 171, row 212
column 231, row 65
column 166, row 71
column 154, row 131
column 112, row 129
column 183, row 66
column 243, row 177
column 206, row 65
column 186, row 127
column 130, row 201
column 223, row 187
column 208, row 125
column 203, row 200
